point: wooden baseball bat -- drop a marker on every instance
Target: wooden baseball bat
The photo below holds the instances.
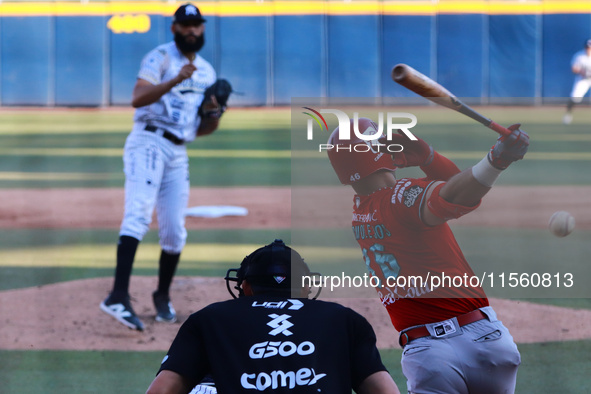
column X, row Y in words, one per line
column 428, row 88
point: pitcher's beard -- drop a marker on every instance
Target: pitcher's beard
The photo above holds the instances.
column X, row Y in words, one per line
column 185, row 46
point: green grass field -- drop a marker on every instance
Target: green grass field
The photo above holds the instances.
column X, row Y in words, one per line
column 557, row 367
column 74, row 148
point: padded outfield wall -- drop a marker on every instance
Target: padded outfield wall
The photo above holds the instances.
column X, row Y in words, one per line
column 88, row 54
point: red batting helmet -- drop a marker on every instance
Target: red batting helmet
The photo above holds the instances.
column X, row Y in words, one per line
column 354, row 159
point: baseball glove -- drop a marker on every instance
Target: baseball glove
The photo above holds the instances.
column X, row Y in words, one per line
column 215, row 98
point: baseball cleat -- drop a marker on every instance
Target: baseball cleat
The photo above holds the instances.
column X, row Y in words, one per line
column 164, row 311
column 122, row 312
column 567, row 119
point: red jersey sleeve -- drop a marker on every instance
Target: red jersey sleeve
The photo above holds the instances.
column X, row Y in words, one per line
column 408, row 197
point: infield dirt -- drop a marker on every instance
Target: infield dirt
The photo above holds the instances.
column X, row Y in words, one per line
column 67, row 316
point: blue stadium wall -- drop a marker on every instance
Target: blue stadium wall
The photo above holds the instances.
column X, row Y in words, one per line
column 78, row 58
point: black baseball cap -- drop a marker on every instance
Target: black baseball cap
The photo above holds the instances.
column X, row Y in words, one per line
column 187, row 13
column 588, row 43
column 273, row 266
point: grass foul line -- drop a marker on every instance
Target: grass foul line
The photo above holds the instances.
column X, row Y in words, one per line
column 58, row 176
column 117, row 152
column 102, row 256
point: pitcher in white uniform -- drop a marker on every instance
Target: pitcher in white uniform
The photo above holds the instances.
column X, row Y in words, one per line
column 581, row 67
column 167, row 95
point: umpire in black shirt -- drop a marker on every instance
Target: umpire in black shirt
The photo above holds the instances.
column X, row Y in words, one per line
column 272, row 338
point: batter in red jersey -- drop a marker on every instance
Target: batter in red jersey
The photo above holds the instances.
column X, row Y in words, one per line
column 452, row 339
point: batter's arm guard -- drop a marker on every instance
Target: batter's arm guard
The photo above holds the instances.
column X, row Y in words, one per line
column 215, row 99
column 436, row 210
column 441, row 168
column 444, row 209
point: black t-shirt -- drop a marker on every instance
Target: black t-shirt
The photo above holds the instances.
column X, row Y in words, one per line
column 264, row 343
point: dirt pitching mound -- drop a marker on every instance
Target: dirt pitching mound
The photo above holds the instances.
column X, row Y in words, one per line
column 67, row 316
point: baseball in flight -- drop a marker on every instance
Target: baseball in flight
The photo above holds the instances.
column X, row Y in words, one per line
column 561, row 223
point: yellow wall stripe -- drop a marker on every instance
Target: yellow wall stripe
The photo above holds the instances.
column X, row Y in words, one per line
column 282, row 7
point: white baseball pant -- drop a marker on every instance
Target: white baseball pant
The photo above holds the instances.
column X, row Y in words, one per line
column 156, row 175
column 481, row 357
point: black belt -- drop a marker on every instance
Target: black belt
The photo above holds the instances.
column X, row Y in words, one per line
column 167, row 134
column 421, row 331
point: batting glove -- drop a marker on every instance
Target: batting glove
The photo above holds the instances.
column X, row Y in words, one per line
column 509, row 148
column 414, row 154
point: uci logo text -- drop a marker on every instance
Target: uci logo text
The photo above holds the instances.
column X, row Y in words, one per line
column 295, row 304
